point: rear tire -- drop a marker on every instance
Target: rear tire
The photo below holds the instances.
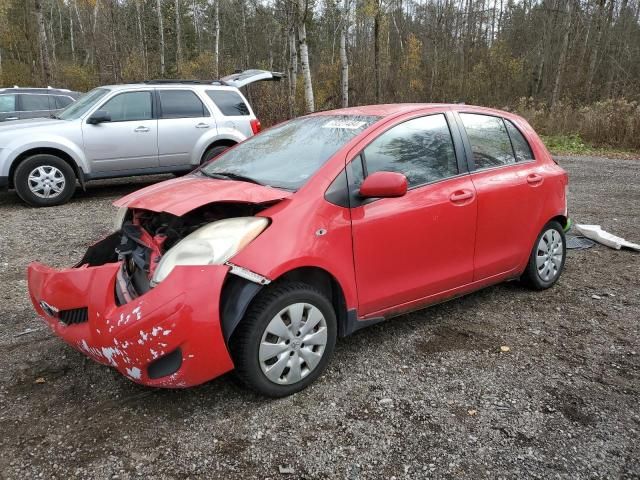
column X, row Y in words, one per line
column 285, row 340
column 547, row 258
column 44, row 180
column 212, row 153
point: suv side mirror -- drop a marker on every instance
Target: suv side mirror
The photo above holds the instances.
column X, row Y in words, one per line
column 383, row 185
column 99, row 116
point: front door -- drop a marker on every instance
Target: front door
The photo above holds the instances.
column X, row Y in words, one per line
column 420, row 245
column 129, row 142
column 182, row 120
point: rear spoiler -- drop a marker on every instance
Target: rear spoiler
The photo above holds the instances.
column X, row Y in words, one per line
column 240, row 79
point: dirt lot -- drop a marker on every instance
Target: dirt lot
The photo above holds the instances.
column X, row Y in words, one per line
column 427, row 395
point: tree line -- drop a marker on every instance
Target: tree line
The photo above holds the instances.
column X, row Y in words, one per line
column 335, row 52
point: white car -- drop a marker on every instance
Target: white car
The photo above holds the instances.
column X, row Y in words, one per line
column 162, row 126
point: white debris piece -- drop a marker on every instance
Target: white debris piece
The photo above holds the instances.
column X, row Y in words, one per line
column 595, row 232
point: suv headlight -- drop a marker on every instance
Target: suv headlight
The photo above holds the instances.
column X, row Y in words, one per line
column 212, row 244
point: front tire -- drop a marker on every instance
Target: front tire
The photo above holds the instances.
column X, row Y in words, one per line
column 44, row 180
column 547, row 258
column 285, row 340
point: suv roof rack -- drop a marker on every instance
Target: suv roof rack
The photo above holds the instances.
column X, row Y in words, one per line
column 162, row 81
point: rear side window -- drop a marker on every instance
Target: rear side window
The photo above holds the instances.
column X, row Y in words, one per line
column 7, row 103
column 181, row 104
column 521, row 147
column 489, row 140
column 128, row 107
column 228, row 102
column 32, row 103
column 421, row 149
column 62, row 101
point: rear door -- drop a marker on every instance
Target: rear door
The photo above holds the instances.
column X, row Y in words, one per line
column 33, row 105
column 182, row 120
column 506, row 178
column 420, row 245
column 8, row 107
column 129, row 141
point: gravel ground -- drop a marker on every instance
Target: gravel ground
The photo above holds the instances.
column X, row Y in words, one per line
column 426, row 395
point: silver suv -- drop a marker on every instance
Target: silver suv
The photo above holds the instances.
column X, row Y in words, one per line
column 123, row 130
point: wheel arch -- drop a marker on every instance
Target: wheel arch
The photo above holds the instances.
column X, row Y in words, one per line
column 238, row 293
column 45, row 151
column 221, row 142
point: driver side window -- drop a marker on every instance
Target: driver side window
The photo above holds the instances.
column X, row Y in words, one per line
column 128, row 107
column 421, row 149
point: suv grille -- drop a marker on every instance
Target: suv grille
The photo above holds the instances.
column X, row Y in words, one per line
column 71, row 317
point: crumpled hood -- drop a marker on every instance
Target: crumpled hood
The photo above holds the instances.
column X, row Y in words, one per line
column 181, row 195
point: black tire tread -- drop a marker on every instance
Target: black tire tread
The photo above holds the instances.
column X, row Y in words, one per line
column 240, row 341
column 44, row 158
column 530, row 276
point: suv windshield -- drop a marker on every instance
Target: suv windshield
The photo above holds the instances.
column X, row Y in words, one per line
column 287, row 155
column 79, row 108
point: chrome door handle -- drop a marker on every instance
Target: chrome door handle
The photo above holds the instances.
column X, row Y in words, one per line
column 142, row 129
column 11, row 118
column 202, row 125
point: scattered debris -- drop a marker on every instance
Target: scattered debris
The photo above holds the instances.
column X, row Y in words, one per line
column 596, row 297
column 472, row 412
column 40, row 380
column 595, row 232
column 27, row 332
column 504, row 348
column 385, row 401
column 575, row 242
column 288, row 470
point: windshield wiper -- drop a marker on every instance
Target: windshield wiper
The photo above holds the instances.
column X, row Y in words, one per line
column 54, row 116
column 230, row 176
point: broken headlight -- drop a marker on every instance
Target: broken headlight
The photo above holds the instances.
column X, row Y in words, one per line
column 212, row 244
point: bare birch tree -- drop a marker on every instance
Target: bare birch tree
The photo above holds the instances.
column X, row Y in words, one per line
column 45, row 63
column 161, row 36
column 178, row 36
column 304, row 56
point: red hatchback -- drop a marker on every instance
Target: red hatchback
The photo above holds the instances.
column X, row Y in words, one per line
column 311, row 230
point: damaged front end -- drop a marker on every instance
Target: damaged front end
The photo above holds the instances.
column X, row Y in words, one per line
column 146, row 300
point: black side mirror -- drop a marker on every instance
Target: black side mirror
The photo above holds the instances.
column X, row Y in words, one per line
column 99, row 116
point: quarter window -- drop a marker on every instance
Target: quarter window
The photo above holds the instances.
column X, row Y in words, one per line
column 228, row 102
column 489, row 140
column 181, row 104
column 128, row 107
column 521, row 147
column 7, row 103
column 32, row 103
column 421, row 149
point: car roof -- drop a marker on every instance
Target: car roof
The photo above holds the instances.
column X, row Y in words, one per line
column 163, row 84
column 53, row 90
column 393, row 109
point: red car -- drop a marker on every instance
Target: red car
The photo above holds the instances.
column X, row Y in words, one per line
column 315, row 228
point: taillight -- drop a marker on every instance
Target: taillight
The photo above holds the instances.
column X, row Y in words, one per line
column 255, row 126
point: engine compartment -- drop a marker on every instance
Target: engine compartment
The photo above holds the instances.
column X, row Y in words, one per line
column 144, row 238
